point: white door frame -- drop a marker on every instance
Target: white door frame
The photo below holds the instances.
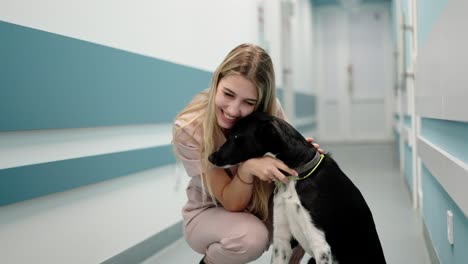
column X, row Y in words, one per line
column 286, row 59
column 343, row 96
column 323, row 101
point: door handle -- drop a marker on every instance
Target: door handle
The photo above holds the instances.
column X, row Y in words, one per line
column 350, row 70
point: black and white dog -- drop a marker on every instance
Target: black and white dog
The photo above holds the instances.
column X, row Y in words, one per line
column 321, row 209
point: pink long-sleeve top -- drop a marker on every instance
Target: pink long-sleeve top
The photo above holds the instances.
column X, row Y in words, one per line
column 187, row 147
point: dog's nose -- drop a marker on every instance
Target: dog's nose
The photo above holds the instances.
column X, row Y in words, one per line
column 212, row 158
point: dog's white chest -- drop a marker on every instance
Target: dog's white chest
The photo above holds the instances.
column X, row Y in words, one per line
column 291, row 219
column 288, row 205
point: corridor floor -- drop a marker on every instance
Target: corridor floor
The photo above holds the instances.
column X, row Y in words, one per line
column 374, row 169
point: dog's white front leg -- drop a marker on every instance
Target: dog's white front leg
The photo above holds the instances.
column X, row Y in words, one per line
column 281, row 233
column 303, row 229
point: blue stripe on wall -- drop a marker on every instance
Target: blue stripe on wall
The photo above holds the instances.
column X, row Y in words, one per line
column 305, row 104
column 397, row 142
column 409, row 166
column 337, row 2
column 317, row 3
column 279, row 95
column 26, row 182
column 407, row 121
column 436, row 202
column 51, row 81
column 428, row 13
column 448, row 135
column 143, row 250
column 306, row 129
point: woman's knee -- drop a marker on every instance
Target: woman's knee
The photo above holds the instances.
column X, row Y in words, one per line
column 240, row 240
column 249, row 243
column 194, row 243
column 256, row 244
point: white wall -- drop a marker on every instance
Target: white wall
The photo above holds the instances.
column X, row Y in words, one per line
column 301, row 38
column 178, row 31
column 301, row 43
column 435, row 103
column 273, row 35
column 96, row 222
column 302, row 25
column 93, row 223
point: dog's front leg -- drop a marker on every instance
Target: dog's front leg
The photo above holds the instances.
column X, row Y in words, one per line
column 311, row 238
column 281, row 233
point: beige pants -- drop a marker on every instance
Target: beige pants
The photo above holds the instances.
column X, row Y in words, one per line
column 227, row 237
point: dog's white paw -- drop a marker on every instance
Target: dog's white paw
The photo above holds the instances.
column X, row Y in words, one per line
column 323, row 256
column 280, row 256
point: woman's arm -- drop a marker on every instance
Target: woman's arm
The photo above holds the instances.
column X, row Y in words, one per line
column 232, row 193
column 235, row 193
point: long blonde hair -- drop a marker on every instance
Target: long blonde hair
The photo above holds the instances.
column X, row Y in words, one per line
column 254, row 64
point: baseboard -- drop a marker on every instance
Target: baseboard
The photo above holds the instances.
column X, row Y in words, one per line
column 148, row 247
column 430, row 247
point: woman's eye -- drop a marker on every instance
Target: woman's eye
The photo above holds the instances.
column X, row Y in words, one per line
column 228, row 94
column 250, row 103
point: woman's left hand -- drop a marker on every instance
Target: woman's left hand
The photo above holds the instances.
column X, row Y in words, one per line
column 317, row 146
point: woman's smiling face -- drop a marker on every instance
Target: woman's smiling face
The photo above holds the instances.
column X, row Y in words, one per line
column 235, row 97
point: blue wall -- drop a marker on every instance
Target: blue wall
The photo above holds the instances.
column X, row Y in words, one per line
column 428, row 13
column 396, row 134
column 305, row 105
column 408, row 156
column 337, row 2
column 49, row 81
column 451, row 137
column 397, row 142
column 436, row 202
column 407, row 121
column 448, row 135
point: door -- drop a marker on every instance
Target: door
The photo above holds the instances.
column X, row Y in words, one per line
column 286, row 59
column 329, row 73
column 355, row 73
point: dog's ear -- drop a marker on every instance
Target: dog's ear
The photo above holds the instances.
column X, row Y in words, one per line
column 270, row 133
column 280, row 129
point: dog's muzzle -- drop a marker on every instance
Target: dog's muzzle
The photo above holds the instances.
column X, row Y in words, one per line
column 213, row 158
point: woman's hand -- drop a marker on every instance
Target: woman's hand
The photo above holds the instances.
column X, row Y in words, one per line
column 317, row 146
column 297, row 255
column 265, row 168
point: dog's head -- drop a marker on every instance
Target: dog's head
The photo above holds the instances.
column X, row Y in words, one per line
column 253, row 136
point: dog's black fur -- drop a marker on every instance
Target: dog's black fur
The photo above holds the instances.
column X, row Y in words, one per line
column 335, row 204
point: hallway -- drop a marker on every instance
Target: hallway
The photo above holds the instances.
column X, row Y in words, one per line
column 374, row 169
column 89, row 92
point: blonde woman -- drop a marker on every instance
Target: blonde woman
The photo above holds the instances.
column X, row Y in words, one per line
column 226, row 217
